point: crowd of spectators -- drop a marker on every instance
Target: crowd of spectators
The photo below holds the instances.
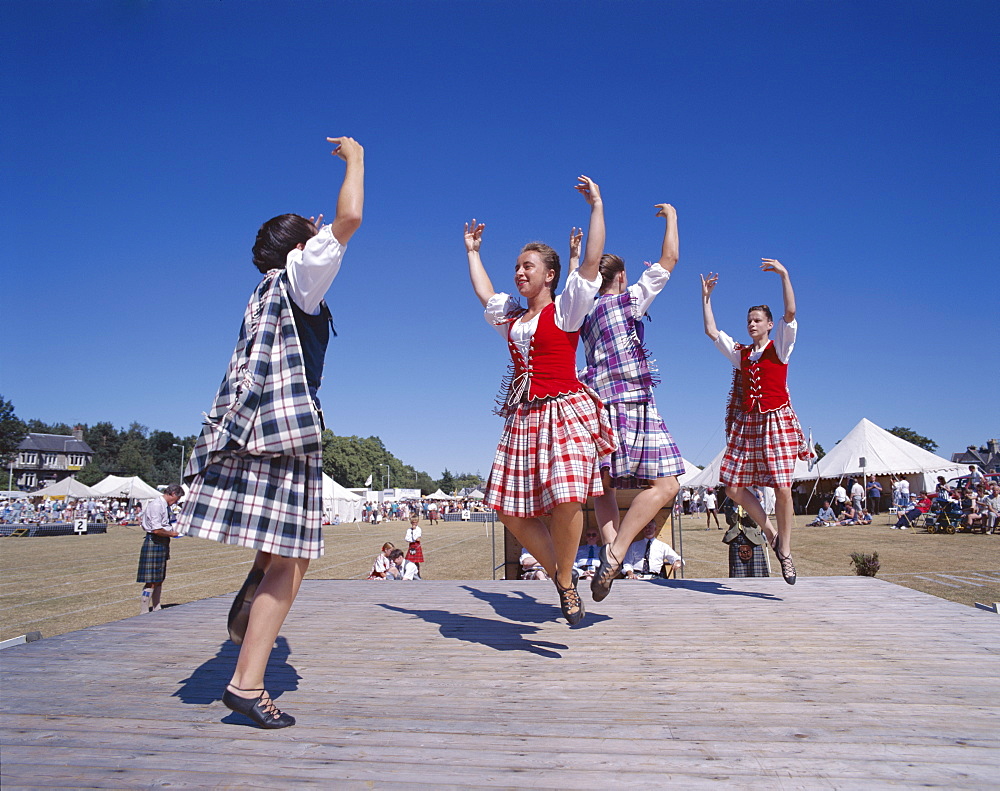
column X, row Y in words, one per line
column 24, row 510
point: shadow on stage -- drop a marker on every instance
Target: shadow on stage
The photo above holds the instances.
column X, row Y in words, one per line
column 712, row 587
column 208, row 681
column 496, row 634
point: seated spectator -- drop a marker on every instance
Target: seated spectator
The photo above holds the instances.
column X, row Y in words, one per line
column 848, row 516
column 825, row 518
column 531, row 569
column 864, row 518
column 400, row 568
column 587, row 556
column 908, row 519
column 381, row 564
column 646, row 556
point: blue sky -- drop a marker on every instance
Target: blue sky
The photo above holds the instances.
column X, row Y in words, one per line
column 854, row 141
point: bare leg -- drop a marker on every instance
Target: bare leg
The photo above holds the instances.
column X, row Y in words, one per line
column 784, row 513
column 606, row 510
column 274, row 598
column 536, row 538
column 566, row 530
column 745, row 498
column 645, row 506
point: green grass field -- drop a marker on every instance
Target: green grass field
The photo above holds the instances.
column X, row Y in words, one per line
column 63, row 583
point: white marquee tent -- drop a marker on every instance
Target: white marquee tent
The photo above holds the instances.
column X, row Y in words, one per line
column 690, row 470
column 132, row 488
column 338, row 501
column 884, row 454
column 67, row 487
column 706, row 477
column 439, row 495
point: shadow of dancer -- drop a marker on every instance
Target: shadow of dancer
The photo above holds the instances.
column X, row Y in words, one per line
column 498, row 635
column 512, row 607
column 715, row 588
column 205, row 683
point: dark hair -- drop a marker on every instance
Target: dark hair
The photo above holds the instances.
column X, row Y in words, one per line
column 610, row 267
column 279, row 236
column 396, row 553
column 763, row 309
column 549, row 257
column 174, row 490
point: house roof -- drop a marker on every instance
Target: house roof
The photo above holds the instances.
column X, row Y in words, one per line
column 54, row 443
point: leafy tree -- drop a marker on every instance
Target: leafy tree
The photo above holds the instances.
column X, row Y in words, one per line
column 135, row 459
column 446, row 483
column 820, row 453
column 12, row 431
column 90, row 474
column 912, row 436
column 38, row 427
column 467, row 480
column 105, row 441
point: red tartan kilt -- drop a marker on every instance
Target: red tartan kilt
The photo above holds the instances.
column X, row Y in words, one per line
column 549, row 454
column 762, row 449
column 415, row 553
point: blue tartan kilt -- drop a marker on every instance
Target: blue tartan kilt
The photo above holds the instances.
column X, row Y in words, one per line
column 756, row 566
column 272, row 504
column 153, row 559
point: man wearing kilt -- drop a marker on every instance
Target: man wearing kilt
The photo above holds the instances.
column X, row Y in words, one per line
column 763, row 436
column 256, row 471
column 155, row 553
column 556, row 428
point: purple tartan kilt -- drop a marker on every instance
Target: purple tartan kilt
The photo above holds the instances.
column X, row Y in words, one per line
column 762, row 449
column 153, row 559
column 548, row 455
column 756, row 566
column 646, row 450
column 270, row 504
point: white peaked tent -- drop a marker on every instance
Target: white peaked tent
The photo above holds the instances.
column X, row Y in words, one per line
column 338, row 501
column 884, row 454
column 439, row 495
column 706, row 477
column 476, row 495
column 133, row 488
column 690, row 470
column 67, row 487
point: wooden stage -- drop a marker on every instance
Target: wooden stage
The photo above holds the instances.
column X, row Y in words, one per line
column 837, row 682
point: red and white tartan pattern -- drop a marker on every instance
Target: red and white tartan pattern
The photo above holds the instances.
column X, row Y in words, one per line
column 270, row 504
column 548, row 455
column 762, row 448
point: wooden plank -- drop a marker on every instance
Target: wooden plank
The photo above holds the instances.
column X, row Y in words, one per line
column 835, row 683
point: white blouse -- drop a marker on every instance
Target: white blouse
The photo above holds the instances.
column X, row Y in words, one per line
column 311, row 271
column 572, row 307
column 783, row 340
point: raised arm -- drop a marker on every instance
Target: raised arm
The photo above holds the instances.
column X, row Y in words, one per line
column 589, row 269
column 787, row 294
column 351, row 200
column 707, row 286
column 575, row 243
column 477, row 272
column 671, row 250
